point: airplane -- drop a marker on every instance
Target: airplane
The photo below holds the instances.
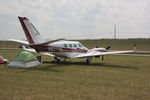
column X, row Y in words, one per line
column 60, row 49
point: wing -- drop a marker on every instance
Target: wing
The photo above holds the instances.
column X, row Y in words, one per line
column 98, row 53
column 19, row 41
column 26, row 42
column 51, row 41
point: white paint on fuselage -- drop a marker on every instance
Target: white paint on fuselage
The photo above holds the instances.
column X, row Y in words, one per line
column 61, row 44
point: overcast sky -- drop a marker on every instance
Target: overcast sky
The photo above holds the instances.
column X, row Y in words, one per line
column 77, row 19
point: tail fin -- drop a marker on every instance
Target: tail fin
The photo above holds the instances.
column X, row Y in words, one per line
column 32, row 35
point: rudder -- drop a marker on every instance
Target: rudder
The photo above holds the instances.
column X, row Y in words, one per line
column 32, row 35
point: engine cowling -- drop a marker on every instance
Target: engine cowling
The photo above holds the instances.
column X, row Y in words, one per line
column 100, row 49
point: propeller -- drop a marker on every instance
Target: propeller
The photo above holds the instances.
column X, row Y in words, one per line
column 107, row 48
column 96, row 46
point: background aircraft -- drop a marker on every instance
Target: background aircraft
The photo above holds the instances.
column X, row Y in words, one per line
column 60, row 49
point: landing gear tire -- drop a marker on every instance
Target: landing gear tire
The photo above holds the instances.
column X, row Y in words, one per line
column 88, row 60
column 53, row 61
column 58, row 60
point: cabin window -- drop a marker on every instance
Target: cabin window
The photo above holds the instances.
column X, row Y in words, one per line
column 79, row 45
column 70, row 45
column 75, row 45
column 65, row 45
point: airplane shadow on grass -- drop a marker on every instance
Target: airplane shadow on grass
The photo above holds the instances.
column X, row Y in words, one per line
column 49, row 66
column 90, row 65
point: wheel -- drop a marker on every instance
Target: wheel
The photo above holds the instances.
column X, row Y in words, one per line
column 53, row 61
column 87, row 61
column 58, row 61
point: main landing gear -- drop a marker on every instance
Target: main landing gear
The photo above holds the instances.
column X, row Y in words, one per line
column 88, row 60
column 58, row 60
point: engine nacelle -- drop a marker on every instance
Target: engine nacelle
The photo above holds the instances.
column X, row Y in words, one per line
column 100, row 49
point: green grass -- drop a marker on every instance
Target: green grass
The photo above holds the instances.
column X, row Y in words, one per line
column 115, row 78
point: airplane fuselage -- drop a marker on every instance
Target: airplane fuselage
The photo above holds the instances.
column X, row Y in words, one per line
column 65, row 49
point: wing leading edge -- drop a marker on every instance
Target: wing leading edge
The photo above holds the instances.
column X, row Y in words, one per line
column 98, row 53
column 26, row 42
column 19, row 41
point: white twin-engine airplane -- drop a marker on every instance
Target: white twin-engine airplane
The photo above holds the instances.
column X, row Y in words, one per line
column 60, row 49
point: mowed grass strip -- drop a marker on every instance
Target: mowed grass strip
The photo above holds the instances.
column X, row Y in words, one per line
column 115, row 78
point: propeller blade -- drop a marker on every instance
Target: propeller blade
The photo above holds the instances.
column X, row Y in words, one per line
column 108, row 47
column 96, row 46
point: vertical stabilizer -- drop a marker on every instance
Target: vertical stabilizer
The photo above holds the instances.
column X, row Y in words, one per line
column 33, row 36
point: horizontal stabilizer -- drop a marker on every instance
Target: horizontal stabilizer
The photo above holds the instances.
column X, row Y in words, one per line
column 33, row 50
column 26, row 42
column 19, row 41
column 48, row 42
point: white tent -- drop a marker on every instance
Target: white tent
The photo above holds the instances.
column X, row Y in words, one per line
column 24, row 60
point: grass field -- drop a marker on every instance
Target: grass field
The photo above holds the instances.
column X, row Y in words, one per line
column 115, row 78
